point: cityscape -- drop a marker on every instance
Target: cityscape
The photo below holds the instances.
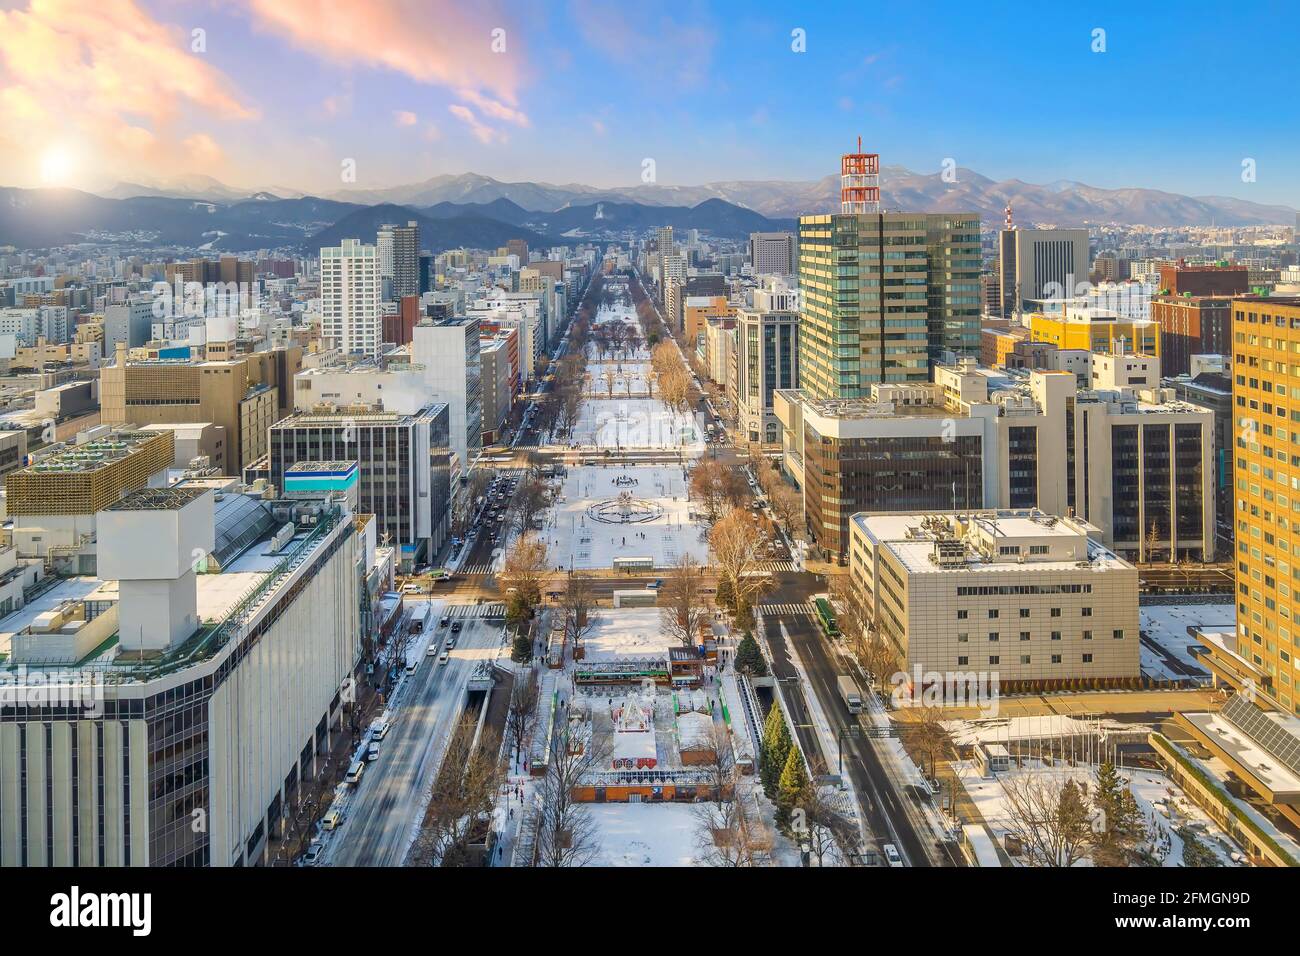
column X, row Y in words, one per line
column 575, row 438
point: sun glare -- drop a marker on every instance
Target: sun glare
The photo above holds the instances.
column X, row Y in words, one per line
column 57, row 165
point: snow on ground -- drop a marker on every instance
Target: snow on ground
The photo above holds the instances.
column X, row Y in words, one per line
column 1163, row 806
column 576, row 540
column 630, row 423
column 71, row 589
column 628, row 377
column 645, row 834
column 631, row 632
column 1167, row 624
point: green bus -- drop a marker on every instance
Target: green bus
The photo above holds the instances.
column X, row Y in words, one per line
column 826, row 618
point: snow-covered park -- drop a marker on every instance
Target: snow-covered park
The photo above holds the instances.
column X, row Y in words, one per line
column 575, row 539
column 646, row 834
column 636, row 424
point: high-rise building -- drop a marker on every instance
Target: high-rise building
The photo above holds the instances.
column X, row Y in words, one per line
column 772, row 253
column 399, row 257
column 448, row 353
column 1265, row 338
column 883, row 296
column 1040, row 264
column 350, row 290
column 767, row 359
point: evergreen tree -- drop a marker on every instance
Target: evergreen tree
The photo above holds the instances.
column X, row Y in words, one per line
column 794, row 779
column 1118, row 826
column 775, row 750
column 749, row 659
column 521, row 650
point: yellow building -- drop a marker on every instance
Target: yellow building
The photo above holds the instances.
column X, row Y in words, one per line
column 1095, row 331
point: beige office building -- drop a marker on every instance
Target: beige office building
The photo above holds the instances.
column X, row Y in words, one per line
column 1027, row 600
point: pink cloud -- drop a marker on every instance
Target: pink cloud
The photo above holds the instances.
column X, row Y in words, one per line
column 405, row 118
column 431, row 41
column 491, row 107
column 107, row 73
column 482, row 132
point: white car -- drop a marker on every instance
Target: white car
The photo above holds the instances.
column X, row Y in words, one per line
column 891, row 855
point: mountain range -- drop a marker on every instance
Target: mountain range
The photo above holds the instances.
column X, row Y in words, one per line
column 1063, row 202
column 478, row 211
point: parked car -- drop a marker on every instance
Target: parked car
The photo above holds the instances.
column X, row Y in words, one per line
column 372, row 752
column 891, row 855
column 332, row 820
column 312, row 856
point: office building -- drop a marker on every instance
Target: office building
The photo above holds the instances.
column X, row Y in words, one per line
column 766, row 359
column 1121, row 453
column 773, row 253
column 884, row 295
column 447, row 353
column 1194, row 311
column 407, row 473
column 1095, row 330
column 1027, row 600
column 1040, row 264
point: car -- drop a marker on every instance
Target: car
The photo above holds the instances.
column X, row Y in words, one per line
column 380, row 731
column 444, row 622
column 332, row 820
column 313, row 854
column 372, row 752
column 655, row 585
column 412, row 667
column 455, row 628
column 355, row 773
column 451, row 642
column 891, row 855
column 442, row 660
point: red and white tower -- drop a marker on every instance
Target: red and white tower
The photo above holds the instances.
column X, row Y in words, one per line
column 1008, row 212
column 860, row 182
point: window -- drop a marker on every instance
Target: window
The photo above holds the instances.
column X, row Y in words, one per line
column 1119, row 633
column 1024, row 612
column 1056, row 658
column 1087, row 635
column 993, row 635
column 1087, row 658
column 1024, row 658
column 962, row 615
column 1056, row 635
column 993, row 612
column 994, row 659
column 963, row 661
column 963, row 638
column 1087, row 612
column 1056, row 612
column 1024, row 635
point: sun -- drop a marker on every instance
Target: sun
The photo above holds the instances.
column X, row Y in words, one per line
column 57, row 165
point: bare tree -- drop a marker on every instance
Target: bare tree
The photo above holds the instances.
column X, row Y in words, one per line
column 830, row 833
column 1049, row 816
column 534, row 498
column 683, row 606
column 524, row 569
column 523, row 710
column 579, row 605
column 462, row 798
column 566, row 835
column 608, row 376
column 738, row 548
column 927, row 735
column 717, row 487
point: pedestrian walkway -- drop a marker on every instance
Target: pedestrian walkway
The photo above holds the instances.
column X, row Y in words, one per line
column 767, row 609
column 495, row 609
column 777, row 566
column 481, row 568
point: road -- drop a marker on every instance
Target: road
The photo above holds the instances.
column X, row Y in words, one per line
column 881, row 803
column 389, row 802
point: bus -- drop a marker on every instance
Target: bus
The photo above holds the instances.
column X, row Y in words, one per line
column 826, row 618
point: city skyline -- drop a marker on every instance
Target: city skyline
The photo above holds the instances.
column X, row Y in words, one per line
column 283, row 95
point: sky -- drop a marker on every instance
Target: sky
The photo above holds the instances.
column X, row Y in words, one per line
column 327, row 95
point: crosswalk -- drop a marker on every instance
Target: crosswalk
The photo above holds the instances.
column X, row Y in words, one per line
column 784, row 609
column 495, row 609
column 484, row 567
column 778, row 566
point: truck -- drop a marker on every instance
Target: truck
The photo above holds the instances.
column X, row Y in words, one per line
column 849, row 691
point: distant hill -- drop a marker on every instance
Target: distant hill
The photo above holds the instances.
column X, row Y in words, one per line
column 436, row 234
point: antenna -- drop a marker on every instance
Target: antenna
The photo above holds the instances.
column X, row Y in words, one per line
column 860, row 182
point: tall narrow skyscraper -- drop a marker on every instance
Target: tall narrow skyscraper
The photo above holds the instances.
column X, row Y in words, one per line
column 399, row 257
column 349, row 291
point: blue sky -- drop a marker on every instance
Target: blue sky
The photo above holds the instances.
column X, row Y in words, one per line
column 285, row 90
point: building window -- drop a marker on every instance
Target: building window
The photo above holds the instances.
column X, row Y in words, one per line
column 1056, row 658
column 1024, row 612
column 963, row 661
column 1024, row 635
column 1056, row 612
column 994, row 659
column 993, row 635
column 1119, row 634
column 1087, row 612
column 1087, row 658
column 1087, row 635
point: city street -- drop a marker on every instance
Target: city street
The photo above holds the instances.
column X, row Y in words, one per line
column 388, row 805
